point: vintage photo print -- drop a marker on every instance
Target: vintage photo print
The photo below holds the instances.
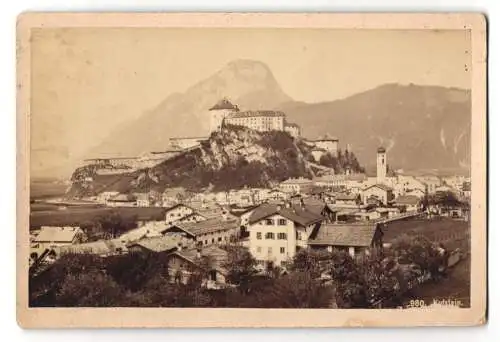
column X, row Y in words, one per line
column 251, row 170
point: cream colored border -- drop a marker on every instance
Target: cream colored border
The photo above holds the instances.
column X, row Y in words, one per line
column 128, row 317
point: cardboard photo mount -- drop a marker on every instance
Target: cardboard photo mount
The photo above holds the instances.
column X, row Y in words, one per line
column 474, row 23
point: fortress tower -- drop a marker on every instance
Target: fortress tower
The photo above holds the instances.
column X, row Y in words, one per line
column 219, row 112
column 381, row 165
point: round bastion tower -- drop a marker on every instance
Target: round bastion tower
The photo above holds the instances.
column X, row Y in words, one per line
column 219, row 112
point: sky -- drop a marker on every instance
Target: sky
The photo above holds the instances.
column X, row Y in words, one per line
column 87, row 81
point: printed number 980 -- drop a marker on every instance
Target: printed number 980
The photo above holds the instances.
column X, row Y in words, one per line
column 417, row 303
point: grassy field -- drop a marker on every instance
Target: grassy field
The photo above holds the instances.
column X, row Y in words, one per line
column 39, row 190
column 77, row 215
column 453, row 234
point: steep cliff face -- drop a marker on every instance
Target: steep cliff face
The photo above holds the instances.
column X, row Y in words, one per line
column 230, row 159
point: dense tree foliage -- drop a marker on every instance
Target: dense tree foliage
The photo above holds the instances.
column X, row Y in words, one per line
column 341, row 162
column 379, row 278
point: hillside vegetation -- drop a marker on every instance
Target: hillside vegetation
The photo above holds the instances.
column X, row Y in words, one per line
column 230, row 159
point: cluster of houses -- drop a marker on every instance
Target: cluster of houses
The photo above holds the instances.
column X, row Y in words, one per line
column 344, row 212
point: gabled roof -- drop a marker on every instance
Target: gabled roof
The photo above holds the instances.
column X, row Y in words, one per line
column 407, row 200
column 346, row 197
column 100, row 247
column 224, row 104
column 178, row 205
column 207, row 226
column 314, row 206
column 217, row 256
column 352, row 235
column 302, row 216
column 57, row 234
column 123, row 198
column 157, row 244
column 380, row 186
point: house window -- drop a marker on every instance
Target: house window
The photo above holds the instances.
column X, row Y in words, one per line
column 282, row 250
column 259, row 236
column 206, row 242
column 219, row 239
column 299, row 236
column 269, row 236
column 259, row 249
column 213, row 240
column 281, row 236
column 269, row 222
column 282, row 222
column 269, row 250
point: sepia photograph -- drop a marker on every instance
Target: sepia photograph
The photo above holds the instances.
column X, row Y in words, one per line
column 267, row 167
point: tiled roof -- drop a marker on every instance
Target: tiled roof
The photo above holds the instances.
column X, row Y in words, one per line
column 57, row 234
column 381, row 149
column 291, row 124
column 346, row 197
column 157, row 244
column 207, row 226
column 224, row 104
column 296, row 214
column 344, row 235
column 380, row 186
column 123, row 198
column 217, row 256
column 408, row 200
column 256, row 113
column 97, row 247
column 297, row 181
column 314, row 206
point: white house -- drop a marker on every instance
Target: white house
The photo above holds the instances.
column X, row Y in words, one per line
column 142, row 199
column 356, row 239
column 177, row 212
column 207, row 232
column 51, row 237
column 297, row 185
column 276, row 232
column 378, row 192
column 122, row 200
column 103, row 197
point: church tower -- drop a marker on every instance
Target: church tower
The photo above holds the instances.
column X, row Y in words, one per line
column 381, row 165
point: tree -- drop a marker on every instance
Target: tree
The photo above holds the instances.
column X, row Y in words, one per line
column 113, row 224
column 45, row 286
column 134, row 270
column 313, row 262
column 240, row 266
column 92, row 289
column 350, row 285
column 295, row 290
column 418, row 251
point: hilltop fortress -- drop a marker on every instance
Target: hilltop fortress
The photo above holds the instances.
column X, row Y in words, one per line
column 223, row 113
